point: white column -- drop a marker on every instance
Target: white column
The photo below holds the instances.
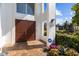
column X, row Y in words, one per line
column 37, row 11
column 39, row 8
column 51, row 26
column 42, row 8
column 38, row 19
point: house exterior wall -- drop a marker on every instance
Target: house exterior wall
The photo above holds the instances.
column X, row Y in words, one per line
column 7, row 22
column 8, row 15
column 46, row 17
column 40, row 18
column 24, row 16
column 0, row 22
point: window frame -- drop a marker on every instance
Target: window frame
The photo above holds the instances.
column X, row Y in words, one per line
column 26, row 8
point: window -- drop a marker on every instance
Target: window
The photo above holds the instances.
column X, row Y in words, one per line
column 45, row 29
column 45, row 7
column 30, row 8
column 25, row 8
column 21, row 8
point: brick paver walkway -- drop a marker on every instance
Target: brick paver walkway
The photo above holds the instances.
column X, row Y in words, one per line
column 32, row 48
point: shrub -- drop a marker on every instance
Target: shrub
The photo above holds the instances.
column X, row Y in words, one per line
column 61, row 31
column 53, row 52
column 67, row 52
column 71, row 52
column 76, row 33
column 72, row 42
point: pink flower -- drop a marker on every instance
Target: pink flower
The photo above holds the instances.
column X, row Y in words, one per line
column 54, row 46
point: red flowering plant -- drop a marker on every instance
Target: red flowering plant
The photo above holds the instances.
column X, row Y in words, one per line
column 53, row 50
column 54, row 46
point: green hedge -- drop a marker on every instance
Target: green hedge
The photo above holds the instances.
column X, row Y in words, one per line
column 72, row 42
column 61, row 31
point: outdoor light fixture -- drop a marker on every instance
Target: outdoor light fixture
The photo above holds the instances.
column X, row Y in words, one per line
column 51, row 22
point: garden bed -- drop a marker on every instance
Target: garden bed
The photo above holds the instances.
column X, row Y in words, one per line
column 71, row 41
column 67, row 52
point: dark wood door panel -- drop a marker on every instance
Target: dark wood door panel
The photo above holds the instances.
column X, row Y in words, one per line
column 20, row 37
column 20, row 27
column 31, row 31
column 25, row 30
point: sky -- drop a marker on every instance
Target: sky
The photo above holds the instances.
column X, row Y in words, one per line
column 45, row 6
column 64, row 12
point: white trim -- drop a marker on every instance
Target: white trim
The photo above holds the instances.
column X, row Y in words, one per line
column 43, row 27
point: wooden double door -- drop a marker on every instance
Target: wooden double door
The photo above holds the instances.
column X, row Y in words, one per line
column 25, row 30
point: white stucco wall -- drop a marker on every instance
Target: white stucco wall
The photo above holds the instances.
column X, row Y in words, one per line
column 7, row 24
column 24, row 17
column 46, row 17
column 39, row 27
column 8, row 15
column 0, row 23
column 40, row 19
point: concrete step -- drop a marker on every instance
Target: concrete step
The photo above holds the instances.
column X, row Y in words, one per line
column 27, row 45
column 35, row 44
column 31, row 48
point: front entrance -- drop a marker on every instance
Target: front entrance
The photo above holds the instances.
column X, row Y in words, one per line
column 25, row 30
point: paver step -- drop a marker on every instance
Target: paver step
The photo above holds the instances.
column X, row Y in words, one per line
column 35, row 42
